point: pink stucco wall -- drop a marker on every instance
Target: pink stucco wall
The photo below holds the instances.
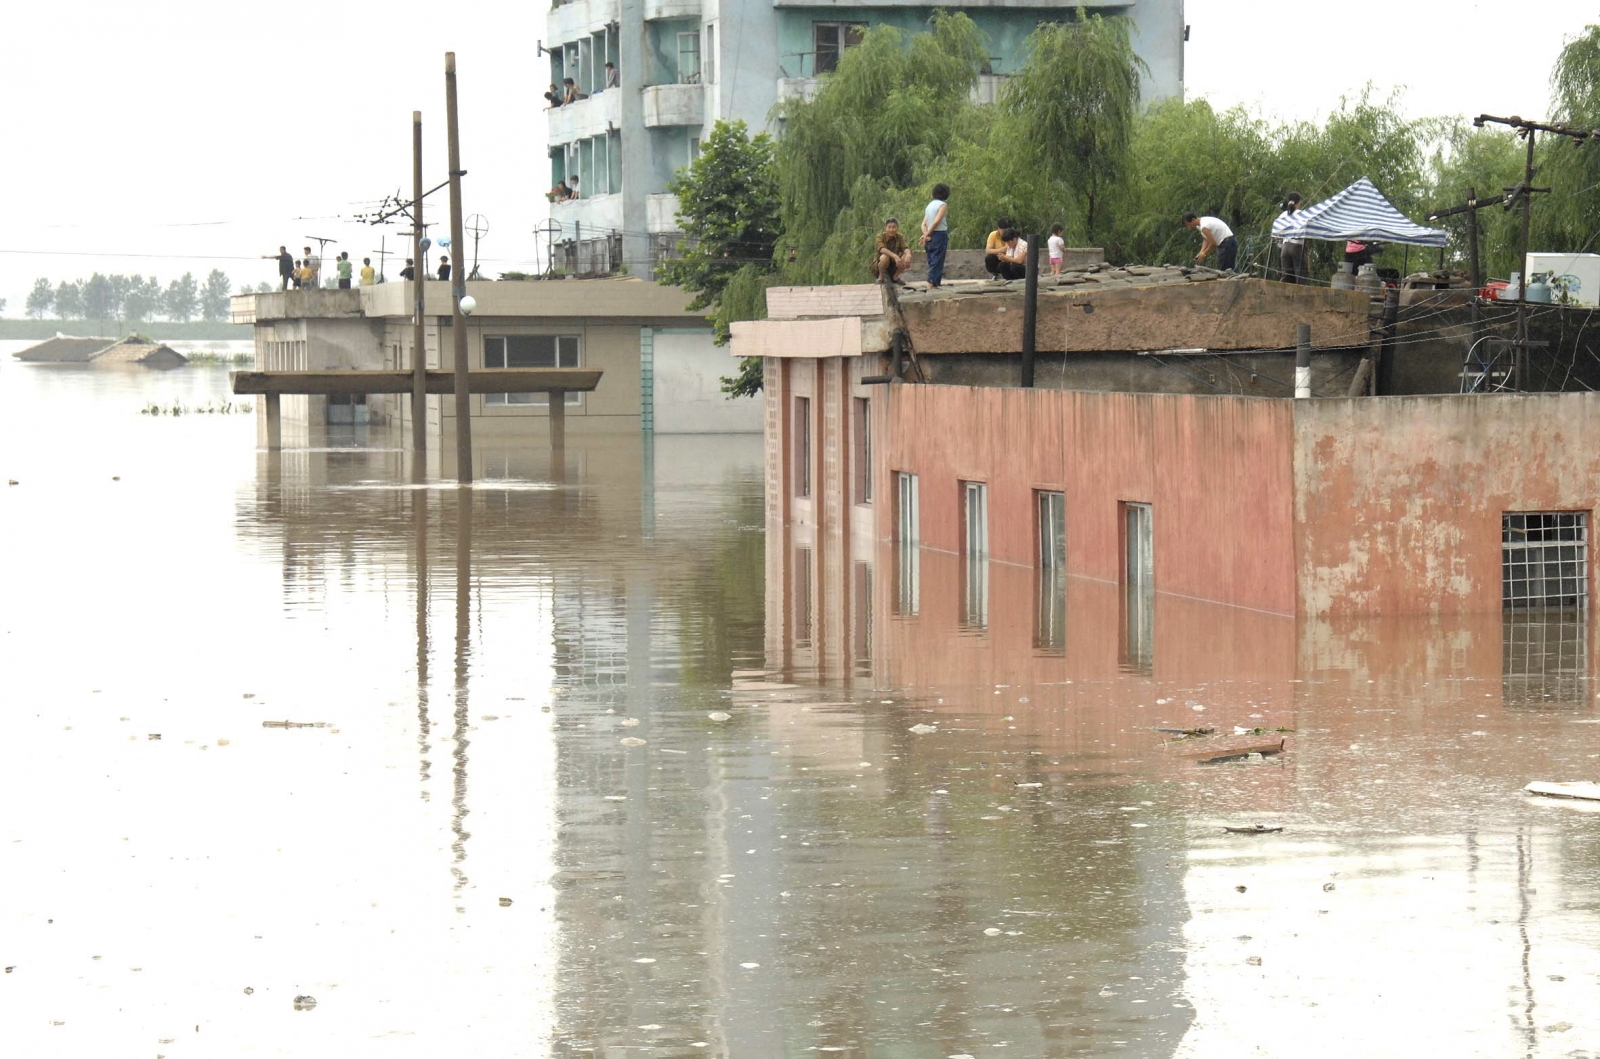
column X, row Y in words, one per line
column 1398, row 500
column 1216, row 471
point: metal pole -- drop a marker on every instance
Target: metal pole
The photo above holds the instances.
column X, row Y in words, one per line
column 1472, row 241
column 458, row 283
column 1519, row 359
column 419, row 339
column 1030, row 309
column 1302, row 360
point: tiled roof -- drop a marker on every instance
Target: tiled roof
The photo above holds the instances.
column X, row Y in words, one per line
column 64, row 350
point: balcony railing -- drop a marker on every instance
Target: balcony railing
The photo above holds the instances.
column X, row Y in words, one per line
column 674, row 105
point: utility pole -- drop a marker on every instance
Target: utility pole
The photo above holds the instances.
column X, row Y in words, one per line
column 458, row 283
column 419, row 338
column 1030, row 310
column 478, row 225
column 1523, row 194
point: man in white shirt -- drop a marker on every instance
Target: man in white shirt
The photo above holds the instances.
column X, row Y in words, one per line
column 1215, row 235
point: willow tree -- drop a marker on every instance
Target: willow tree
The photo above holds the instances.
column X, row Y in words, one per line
column 1566, row 219
column 1074, row 103
column 877, row 125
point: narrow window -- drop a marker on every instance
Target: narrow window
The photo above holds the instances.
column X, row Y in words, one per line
column 1544, row 560
column 689, row 58
column 709, row 54
column 975, row 514
column 802, row 616
column 906, row 529
column 1138, row 565
column 1050, row 611
column 1052, row 530
column 802, row 446
column 530, row 351
column 829, row 41
column 861, row 632
column 863, row 449
column 907, row 579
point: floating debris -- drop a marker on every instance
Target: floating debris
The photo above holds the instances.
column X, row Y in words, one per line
column 295, row 724
column 1186, row 733
column 305, row 1003
column 629, row 722
column 1256, row 829
column 922, row 729
column 1575, row 789
column 632, row 740
column 719, row 715
column 505, row 902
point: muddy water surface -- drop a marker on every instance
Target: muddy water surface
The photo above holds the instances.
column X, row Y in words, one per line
column 588, row 760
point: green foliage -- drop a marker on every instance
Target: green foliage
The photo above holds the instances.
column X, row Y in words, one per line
column 182, row 298
column 1566, row 219
column 879, row 125
column 40, row 298
column 142, row 300
column 1072, row 107
column 214, row 296
column 728, row 199
column 1485, row 161
column 97, row 298
column 69, row 300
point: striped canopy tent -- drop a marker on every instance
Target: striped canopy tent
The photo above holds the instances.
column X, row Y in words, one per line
column 1359, row 212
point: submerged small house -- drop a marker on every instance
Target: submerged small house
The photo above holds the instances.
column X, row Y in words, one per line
column 64, row 349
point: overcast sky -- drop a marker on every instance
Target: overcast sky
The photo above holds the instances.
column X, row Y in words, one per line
column 186, row 135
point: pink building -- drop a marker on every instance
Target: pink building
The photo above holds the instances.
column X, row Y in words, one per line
column 1322, row 507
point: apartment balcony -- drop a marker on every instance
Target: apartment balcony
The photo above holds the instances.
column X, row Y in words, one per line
column 987, row 90
column 587, row 218
column 656, row 10
column 674, row 105
column 661, row 213
column 594, row 116
column 572, row 19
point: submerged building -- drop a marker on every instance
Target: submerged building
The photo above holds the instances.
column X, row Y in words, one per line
column 683, row 65
column 1161, row 446
column 661, row 371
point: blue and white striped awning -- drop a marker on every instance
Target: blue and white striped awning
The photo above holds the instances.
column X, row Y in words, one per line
column 1359, row 212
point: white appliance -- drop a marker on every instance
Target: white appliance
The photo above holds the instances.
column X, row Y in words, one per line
column 1580, row 273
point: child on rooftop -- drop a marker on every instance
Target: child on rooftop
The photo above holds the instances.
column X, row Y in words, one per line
column 1057, row 247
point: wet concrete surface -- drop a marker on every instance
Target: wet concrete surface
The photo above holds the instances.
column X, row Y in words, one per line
column 589, row 761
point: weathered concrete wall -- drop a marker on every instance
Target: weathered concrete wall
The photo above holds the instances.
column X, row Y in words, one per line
column 1216, row 471
column 1397, row 500
column 1208, row 314
column 687, row 371
column 1269, row 374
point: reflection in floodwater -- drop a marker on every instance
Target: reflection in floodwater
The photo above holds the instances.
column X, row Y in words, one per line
column 735, row 789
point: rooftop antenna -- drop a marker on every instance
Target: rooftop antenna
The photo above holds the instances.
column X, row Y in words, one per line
column 322, row 242
column 551, row 229
column 383, row 253
column 478, row 225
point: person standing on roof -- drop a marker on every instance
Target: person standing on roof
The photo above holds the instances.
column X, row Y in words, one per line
column 936, row 233
column 285, row 265
column 344, row 266
column 1292, row 260
column 1215, row 235
column 368, row 276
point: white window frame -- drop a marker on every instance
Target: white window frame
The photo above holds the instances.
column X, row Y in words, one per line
column 907, row 528
column 1138, row 560
column 708, row 54
column 975, row 519
column 1051, row 506
column 494, row 358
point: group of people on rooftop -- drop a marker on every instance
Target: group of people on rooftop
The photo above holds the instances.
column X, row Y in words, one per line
column 306, row 271
column 1006, row 252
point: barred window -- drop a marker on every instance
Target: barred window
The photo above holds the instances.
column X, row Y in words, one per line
column 1544, row 559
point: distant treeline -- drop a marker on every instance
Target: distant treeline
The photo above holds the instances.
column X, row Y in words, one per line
column 157, row 330
column 131, row 299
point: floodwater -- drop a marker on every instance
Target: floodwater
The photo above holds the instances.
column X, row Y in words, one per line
column 587, row 761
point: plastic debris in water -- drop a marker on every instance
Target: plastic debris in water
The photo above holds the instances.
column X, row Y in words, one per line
column 719, row 715
column 629, row 722
column 305, row 1003
column 922, row 729
column 632, row 740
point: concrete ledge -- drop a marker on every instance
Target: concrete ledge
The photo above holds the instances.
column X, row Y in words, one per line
column 350, row 383
column 796, row 303
column 836, row 337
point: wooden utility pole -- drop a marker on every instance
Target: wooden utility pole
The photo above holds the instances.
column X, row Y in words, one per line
column 458, row 283
column 1030, row 310
column 419, row 339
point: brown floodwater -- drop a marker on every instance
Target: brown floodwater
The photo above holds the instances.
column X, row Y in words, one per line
column 589, row 761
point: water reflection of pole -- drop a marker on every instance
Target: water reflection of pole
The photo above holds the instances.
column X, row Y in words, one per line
column 463, row 651
column 1530, row 1029
column 419, row 519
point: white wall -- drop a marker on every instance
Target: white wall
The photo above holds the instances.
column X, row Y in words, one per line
column 688, row 387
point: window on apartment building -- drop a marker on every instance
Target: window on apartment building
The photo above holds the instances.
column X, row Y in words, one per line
column 1138, row 561
column 708, row 57
column 975, row 519
column 1544, row 560
column 830, row 39
column 614, row 158
column 907, row 579
column 802, row 446
column 689, row 58
column 531, row 351
column 1050, row 610
column 861, row 414
column 694, row 150
column 1052, row 530
column 906, row 529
